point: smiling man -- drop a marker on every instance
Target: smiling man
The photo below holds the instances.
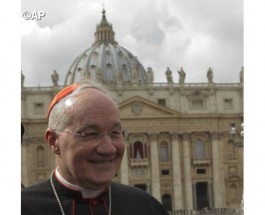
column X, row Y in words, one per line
column 85, row 134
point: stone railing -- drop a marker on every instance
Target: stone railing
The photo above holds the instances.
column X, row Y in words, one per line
column 140, row 86
column 213, row 211
column 174, row 85
column 200, row 160
column 139, row 162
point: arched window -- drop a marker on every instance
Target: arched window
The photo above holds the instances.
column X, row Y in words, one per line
column 124, row 72
column 40, row 156
column 164, row 152
column 231, row 153
column 108, row 57
column 199, row 149
column 167, row 202
column 234, row 192
column 138, row 152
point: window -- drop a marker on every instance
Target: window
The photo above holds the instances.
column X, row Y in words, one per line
column 230, row 150
column 199, row 149
column 138, row 152
column 38, row 108
column 162, row 102
column 108, row 58
column 201, row 171
column 124, row 69
column 165, row 172
column 233, row 193
column 164, row 152
column 228, row 104
column 232, row 170
column 197, row 103
column 197, row 100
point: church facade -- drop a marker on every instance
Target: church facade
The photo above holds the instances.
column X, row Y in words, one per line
column 178, row 147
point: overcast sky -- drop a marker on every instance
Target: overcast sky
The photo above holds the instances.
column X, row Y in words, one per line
column 193, row 34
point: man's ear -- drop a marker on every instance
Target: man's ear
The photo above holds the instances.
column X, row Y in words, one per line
column 52, row 140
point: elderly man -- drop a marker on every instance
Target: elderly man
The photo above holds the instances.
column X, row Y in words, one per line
column 85, row 133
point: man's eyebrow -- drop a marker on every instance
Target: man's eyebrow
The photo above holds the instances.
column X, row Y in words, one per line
column 97, row 127
column 88, row 126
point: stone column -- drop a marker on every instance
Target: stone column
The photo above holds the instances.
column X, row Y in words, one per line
column 210, row 193
column 194, row 196
column 187, row 172
column 177, row 186
column 155, row 167
column 212, row 99
column 218, row 179
column 124, row 167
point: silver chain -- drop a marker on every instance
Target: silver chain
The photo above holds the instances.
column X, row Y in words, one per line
column 56, row 195
column 60, row 204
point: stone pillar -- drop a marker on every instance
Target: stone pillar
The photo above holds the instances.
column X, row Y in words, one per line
column 210, row 193
column 177, row 186
column 212, row 99
column 155, row 167
column 124, row 168
column 187, row 172
column 194, row 196
column 218, row 178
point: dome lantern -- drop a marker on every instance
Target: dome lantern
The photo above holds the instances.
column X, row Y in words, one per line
column 106, row 61
column 104, row 32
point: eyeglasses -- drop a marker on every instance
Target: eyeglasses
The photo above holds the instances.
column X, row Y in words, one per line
column 97, row 135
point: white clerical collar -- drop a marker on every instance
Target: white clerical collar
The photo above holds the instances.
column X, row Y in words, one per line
column 86, row 193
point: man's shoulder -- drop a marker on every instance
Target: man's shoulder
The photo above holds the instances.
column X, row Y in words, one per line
column 135, row 198
column 38, row 199
column 122, row 188
column 36, row 189
column 39, row 185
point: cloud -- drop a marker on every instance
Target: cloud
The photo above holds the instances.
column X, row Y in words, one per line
column 191, row 34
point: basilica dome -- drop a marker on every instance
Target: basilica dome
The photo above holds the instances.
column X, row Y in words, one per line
column 106, row 61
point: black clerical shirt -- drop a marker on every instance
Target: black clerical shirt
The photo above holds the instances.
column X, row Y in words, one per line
column 125, row 200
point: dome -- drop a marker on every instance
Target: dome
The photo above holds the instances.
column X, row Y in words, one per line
column 106, row 61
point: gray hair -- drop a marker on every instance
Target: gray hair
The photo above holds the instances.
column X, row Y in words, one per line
column 60, row 116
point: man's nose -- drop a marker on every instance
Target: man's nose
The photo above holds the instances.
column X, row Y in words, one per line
column 105, row 145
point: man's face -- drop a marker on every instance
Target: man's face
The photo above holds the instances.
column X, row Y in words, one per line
column 93, row 162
